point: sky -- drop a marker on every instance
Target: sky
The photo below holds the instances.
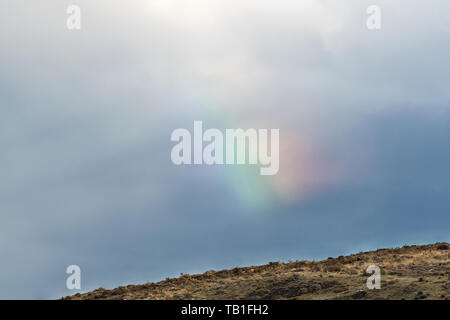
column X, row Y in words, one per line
column 86, row 117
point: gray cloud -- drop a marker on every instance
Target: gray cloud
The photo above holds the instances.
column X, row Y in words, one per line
column 86, row 118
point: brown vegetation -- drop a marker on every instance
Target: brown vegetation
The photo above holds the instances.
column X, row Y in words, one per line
column 410, row 272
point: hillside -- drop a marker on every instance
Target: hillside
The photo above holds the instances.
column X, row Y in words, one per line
column 410, row 272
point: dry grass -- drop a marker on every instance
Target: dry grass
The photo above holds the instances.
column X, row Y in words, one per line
column 410, row 272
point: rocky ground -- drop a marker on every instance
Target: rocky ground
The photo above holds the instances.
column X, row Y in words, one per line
column 410, row 272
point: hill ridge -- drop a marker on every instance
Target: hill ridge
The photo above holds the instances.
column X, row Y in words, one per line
column 409, row 272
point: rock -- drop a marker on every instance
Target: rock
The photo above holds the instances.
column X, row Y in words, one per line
column 315, row 287
column 295, row 277
column 359, row 294
column 303, row 290
column 420, row 295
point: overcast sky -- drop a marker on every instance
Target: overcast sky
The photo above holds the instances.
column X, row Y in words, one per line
column 86, row 117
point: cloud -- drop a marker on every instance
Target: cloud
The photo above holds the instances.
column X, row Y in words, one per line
column 86, row 119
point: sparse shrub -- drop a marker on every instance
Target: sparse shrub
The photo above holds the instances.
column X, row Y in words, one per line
column 333, row 268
